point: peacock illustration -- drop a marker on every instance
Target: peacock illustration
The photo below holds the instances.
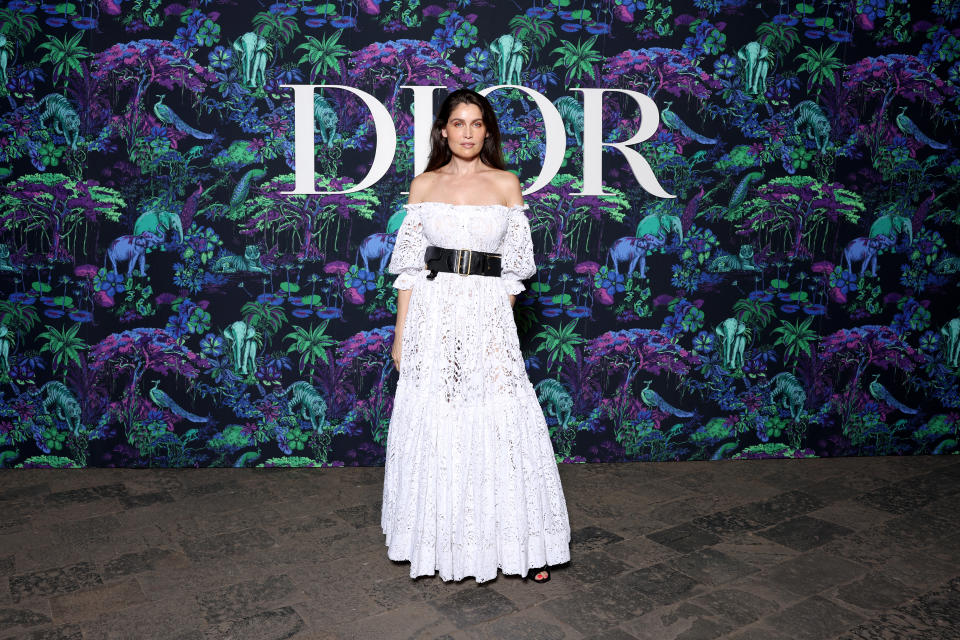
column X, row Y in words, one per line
column 242, row 190
column 652, row 399
column 190, row 206
column 161, row 399
column 739, row 196
column 690, row 211
column 907, row 125
column 880, row 393
column 167, row 116
column 674, row 122
column 248, row 458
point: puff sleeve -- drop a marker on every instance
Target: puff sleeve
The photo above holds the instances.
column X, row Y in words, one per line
column 516, row 251
column 406, row 262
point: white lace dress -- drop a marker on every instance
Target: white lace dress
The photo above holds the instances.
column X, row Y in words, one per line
column 471, row 481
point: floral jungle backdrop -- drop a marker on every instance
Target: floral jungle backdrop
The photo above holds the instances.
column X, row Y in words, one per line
column 162, row 303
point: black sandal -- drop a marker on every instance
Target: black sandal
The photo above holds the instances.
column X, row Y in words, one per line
column 533, row 573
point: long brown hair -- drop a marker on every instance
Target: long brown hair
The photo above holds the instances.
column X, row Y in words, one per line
column 490, row 154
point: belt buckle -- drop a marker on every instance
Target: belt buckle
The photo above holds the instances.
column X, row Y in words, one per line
column 459, row 257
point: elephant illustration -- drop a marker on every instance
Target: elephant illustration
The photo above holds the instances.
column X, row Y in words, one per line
column 757, row 64
column 132, row 248
column 951, row 336
column 252, row 50
column 892, row 225
column 3, row 59
column 376, row 246
column 326, row 119
column 4, row 348
column 634, row 250
column 509, row 53
column 395, row 220
column 159, row 222
column 733, row 334
column 658, row 224
column 243, row 339
column 866, row 249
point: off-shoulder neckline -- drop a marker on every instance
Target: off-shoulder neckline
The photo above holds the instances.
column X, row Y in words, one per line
column 450, row 204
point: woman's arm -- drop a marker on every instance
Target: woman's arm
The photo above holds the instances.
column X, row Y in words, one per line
column 403, row 300
column 514, row 196
column 403, row 295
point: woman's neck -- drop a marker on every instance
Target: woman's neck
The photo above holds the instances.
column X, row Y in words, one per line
column 461, row 166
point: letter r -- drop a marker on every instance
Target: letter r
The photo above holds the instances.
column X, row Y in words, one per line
column 593, row 143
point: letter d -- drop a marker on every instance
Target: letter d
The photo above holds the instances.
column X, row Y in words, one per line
column 305, row 182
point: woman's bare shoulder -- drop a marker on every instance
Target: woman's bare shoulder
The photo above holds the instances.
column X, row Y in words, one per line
column 508, row 185
column 420, row 186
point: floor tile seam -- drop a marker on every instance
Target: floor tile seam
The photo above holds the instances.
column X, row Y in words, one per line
column 490, row 620
column 304, row 613
column 119, row 610
column 863, row 620
column 51, row 510
column 678, row 551
column 50, row 596
column 255, row 610
column 687, row 522
column 69, row 565
column 763, row 573
column 99, row 564
column 772, row 628
column 739, row 509
column 368, row 616
column 27, row 632
column 631, row 563
column 822, row 592
column 182, row 595
column 866, row 614
column 696, row 582
column 28, row 604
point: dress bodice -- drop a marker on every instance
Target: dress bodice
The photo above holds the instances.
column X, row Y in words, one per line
column 480, row 227
column 493, row 228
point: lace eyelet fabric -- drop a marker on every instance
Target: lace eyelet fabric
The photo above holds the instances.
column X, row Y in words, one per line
column 471, row 483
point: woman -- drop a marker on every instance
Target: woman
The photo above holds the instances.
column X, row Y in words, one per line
column 471, row 482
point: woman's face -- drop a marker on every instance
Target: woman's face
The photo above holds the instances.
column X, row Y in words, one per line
column 465, row 130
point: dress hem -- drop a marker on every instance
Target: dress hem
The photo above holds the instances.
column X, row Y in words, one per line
column 479, row 579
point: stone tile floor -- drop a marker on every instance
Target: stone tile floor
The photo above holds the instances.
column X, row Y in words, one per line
column 761, row 549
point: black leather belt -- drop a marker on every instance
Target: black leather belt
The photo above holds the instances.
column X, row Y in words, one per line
column 464, row 262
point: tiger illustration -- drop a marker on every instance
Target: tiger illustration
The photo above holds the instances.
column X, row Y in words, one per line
column 326, row 119
column 555, row 400
column 249, row 261
column 572, row 113
column 64, row 403
column 743, row 262
column 66, row 122
column 947, row 266
column 305, row 401
column 790, row 392
column 811, row 120
column 5, row 264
